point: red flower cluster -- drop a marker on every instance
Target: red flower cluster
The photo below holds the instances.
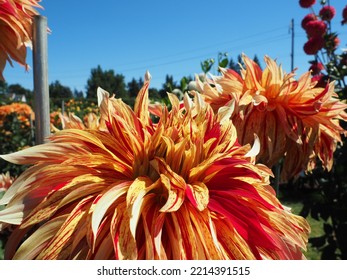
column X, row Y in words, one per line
column 316, row 27
column 306, row 3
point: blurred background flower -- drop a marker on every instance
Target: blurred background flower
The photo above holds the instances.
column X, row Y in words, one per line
column 5, row 181
column 294, row 119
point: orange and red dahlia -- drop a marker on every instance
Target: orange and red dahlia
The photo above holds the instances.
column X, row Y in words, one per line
column 181, row 188
column 16, row 30
column 293, row 118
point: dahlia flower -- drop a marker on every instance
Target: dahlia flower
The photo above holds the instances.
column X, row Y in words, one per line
column 316, row 28
column 70, row 120
column 314, row 45
column 307, row 19
column 292, row 118
column 16, row 30
column 23, row 111
column 306, row 3
column 344, row 15
column 327, row 13
column 181, row 188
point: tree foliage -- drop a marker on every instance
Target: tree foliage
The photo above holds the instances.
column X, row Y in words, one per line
column 3, row 87
column 108, row 80
column 58, row 93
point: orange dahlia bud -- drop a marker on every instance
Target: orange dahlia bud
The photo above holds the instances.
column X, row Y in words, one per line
column 332, row 41
column 181, row 188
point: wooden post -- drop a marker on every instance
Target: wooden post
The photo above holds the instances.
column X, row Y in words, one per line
column 41, row 89
column 62, row 107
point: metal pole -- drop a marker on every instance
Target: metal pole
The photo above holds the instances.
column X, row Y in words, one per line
column 41, row 89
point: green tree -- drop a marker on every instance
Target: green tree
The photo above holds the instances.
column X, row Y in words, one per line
column 134, row 87
column 18, row 89
column 3, row 87
column 108, row 80
column 77, row 93
column 168, row 86
column 154, row 94
column 58, row 93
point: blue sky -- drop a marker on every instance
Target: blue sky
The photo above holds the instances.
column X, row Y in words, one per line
column 166, row 37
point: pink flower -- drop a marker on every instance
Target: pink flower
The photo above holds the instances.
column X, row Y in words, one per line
column 313, row 45
column 344, row 15
column 306, row 3
column 307, row 19
column 327, row 13
column 316, row 28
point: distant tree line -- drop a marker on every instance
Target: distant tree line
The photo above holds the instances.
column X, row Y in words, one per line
column 115, row 83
